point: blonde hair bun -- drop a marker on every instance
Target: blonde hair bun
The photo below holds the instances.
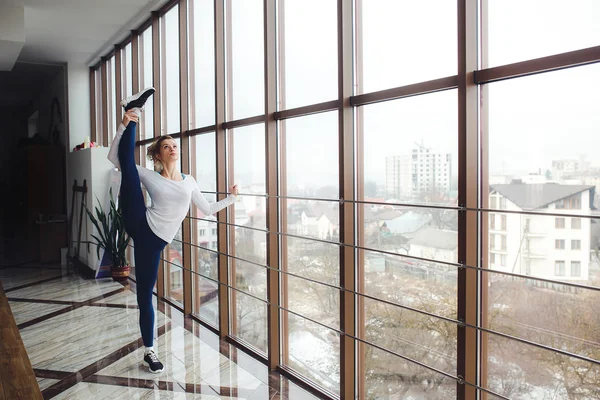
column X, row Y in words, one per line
column 154, row 150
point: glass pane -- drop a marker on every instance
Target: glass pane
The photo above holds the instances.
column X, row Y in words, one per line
column 411, row 150
column 248, row 146
column 520, row 371
column 551, row 314
column 173, row 268
column 245, row 41
column 111, row 99
column 532, row 245
column 174, row 285
column 315, row 260
column 419, row 337
column 204, row 233
column 310, row 159
column 425, row 286
column 538, row 29
column 247, row 169
column 249, row 244
column 203, row 160
column 205, row 285
column 314, row 351
column 126, row 71
column 202, row 63
column 388, row 377
column 542, row 159
column 404, row 42
column 429, row 233
column 313, row 300
column 146, row 163
column 309, row 70
column 548, row 313
column 249, row 278
column 314, row 219
column 205, row 268
column 169, row 77
column 250, row 320
column 249, row 211
column 145, row 77
column 100, row 123
column 144, row 160
column 542, row 140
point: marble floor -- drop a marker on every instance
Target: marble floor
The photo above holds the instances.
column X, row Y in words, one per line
column 82, row 338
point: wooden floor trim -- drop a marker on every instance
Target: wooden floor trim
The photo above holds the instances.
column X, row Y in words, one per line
column 17, row 379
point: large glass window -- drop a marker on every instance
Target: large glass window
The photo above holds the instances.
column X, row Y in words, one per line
column 111, row 99
column 539, row 172
column 204, row 230
column 409, row 158
column 99, row 122
column 201, row 53
column 145, row 81
column 309, row 165
column 244, row 58
column 308, row 65
column 126, row 71
column 547, row 106
column 513, row 245
column 410, row 150
column 247, row 236
column 538, row 29
column 173, row 259
column 169, row 72
column 173, row 269
column 404, row 42
column 310, row 156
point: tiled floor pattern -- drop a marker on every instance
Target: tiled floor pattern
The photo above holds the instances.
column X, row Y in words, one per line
column 82, row 338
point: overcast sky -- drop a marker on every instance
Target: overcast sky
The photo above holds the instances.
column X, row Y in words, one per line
column 533, row 120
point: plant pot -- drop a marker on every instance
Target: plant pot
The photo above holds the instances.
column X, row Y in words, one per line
column 120, row 273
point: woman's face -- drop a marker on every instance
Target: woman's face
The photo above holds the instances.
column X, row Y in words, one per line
column 169, row 150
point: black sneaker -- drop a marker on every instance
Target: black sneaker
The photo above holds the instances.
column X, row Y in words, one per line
column 151, row 361
column 137, row 100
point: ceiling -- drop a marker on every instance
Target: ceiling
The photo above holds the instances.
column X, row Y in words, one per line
column 78, row 30
column 57, row 32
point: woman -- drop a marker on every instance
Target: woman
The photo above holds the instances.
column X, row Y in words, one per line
column 154, row 227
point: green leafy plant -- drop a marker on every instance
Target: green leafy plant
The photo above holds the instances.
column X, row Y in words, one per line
column 111, row 233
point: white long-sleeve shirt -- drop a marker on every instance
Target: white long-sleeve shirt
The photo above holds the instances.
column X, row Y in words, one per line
column 170, row 199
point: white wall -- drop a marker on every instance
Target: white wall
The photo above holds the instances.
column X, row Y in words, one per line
column 79, row 103
column 567, row 234
column 542, row 236
column 513, row 235
column 93, row 166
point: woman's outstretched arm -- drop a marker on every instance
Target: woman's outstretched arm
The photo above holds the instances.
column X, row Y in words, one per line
column 212, row 208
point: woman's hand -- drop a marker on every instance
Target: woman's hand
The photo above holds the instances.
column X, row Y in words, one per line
column 130, row 116
column 233, row 190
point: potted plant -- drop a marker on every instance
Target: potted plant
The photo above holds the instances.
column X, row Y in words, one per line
column 112, row 238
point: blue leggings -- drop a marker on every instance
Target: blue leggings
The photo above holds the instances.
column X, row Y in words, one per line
column 148, row 246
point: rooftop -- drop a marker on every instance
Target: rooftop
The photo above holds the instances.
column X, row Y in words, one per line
column 539, row 195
